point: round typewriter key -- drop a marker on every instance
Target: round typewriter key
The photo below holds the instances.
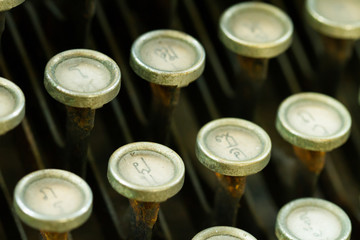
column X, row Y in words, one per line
column 9, row 4
column 12, row 105
column 223, row 233
column 169, row 60
column 313, row 121
column 256, row 30
column 314, row 124
column 338, row 19
column 53, row 201
column 83, row 80
column 338, row 23
column 233, row 149
column 146, row 173
column 312, row 219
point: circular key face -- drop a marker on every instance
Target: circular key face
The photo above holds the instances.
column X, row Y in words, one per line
column 338, row 19
column 223, row 233
column 12, row 105
column 167, row 57
column 313, row 121
column 256, row 30
column 9, row 4
column 233, row 147
column 312, row 219
column 82, row 78
column 53, row 200
column 146, row 171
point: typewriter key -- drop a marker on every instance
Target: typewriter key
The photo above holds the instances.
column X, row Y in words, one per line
column 12, row 105
column 6, row 5
column 233, row 149
column 83, row 80
column 255, row 32
column 312, row 219
column 314, row 124
column 338, row 23
column 223, row 233
column 146, row 173
column 169, row 60
column 53, row 201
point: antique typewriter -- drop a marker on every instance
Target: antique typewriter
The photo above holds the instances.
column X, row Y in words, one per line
column 36, row 30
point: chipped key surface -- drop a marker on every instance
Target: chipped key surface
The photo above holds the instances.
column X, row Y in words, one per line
column 12, row 105
column 82, row 78
column 312, row 219
column 255, row 29
column 167, row 57
column 339, row 19
column 313, row 121
column 53, row 200
column 233, row 147
column 223, row 233
column 146, row 171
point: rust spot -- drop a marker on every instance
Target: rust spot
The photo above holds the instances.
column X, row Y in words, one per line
column 313, row 160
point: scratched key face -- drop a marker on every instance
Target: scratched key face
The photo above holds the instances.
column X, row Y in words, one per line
column 167, row 54
column 314, row 119
column 313, row 223
column 82, row 75
column 234, row 143
column 53, row 197
column 344, row 11
column 7, row 102
column 257, row 26
column 146, row 168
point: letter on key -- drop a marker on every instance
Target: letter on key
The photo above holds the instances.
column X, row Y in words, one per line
column 53, row 201
column 147, row 174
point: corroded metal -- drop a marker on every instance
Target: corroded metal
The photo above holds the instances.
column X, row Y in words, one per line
column 229, row 192
column 144, row 217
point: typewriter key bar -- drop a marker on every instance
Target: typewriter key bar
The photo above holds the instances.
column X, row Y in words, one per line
column 224, row 233
column 83, row 80
column 311, row 219
column 147, row 174
column 53, row 201
column 169, row 60
column 338, row 23
column 314, row 124
column 233, row 149
column 12, row 105
column 256, row 32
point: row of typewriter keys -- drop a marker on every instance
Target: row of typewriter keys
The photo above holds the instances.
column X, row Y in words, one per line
column 149, row 173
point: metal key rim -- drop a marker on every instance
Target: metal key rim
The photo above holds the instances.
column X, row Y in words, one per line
column 251, row 49
column 229, row 167
column 9, row 4
column 146, row 193
column 283, row 233
column 16, row 116
column 167, row 78
column 72, row 98
column 312, row 142
column 53, row 223
column 223, row 231
column 328, row 26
